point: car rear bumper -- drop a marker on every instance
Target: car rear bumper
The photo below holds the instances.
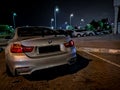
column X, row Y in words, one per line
column 25, row 65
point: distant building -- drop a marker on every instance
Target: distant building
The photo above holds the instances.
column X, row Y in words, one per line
column 117, row 16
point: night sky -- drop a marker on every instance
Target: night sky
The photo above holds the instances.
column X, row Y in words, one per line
column 40, row 12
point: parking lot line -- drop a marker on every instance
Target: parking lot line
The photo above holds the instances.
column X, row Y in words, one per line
column 100, row 50
column 117, row 65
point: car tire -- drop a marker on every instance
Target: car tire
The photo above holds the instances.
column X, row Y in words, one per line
column 9, row 73
column 78, row 35
column 90, row 34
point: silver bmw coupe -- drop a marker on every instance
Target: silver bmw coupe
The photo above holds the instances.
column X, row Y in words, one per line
column 36, row 47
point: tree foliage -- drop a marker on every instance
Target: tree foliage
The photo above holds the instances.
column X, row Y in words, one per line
column 102, row 24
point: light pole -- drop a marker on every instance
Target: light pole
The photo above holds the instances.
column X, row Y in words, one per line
column 14, row 14
column 82, row 22
column 52, row 23
column 55, row 14
column 71, row 15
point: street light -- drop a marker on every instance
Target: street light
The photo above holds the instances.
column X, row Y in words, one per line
column 66, row 22
column 71, row 15
column 55, row 13
column 52, row 23
column 14, row 14
column 82, row 20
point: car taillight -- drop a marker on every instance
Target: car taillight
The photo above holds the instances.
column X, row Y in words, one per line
column 17, row 48
column 69, row 44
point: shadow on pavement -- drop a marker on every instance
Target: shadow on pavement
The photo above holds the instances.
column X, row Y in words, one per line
column 51, row 73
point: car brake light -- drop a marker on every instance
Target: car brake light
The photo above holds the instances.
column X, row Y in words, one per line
column 69, row 44
column 17, row 48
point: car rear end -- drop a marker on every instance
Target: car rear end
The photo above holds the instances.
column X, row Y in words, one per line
column 28, row 55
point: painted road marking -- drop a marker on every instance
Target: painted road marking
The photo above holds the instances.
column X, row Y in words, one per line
column 101, row 50
column 117, row 65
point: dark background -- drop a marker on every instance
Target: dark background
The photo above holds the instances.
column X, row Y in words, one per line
column 40, row 12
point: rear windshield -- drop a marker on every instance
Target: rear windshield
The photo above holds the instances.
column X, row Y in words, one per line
column 34, row 31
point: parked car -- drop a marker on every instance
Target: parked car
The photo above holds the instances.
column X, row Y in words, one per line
column 102, row 32
column 90, row 33
column 69, row 32
column 35, row 47
column 6, row 31
column 82, row 33
column 79, row 33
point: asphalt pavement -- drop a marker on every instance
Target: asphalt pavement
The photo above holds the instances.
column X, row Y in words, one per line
column 102, row 43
